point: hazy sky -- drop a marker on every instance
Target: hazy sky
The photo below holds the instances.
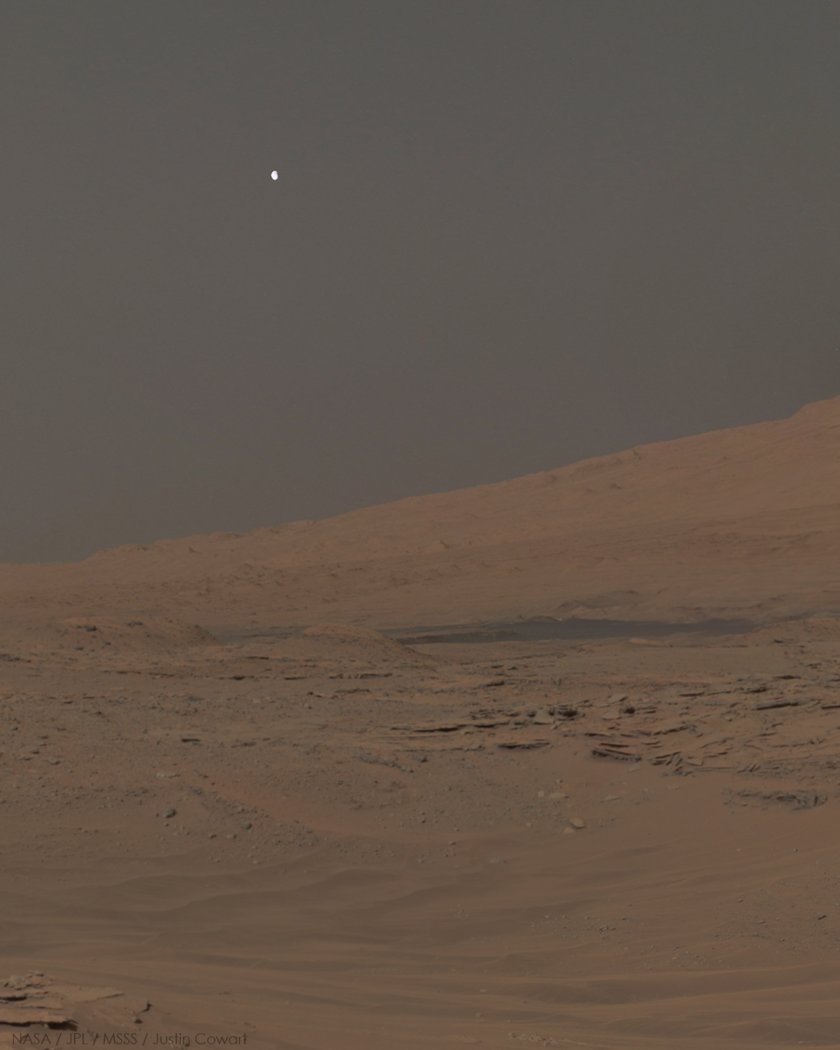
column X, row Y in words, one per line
column 507, row 234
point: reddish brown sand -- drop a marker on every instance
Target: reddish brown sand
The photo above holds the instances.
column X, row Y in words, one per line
column 324, row 838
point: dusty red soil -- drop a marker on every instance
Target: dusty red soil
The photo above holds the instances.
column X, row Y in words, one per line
column 329, row 839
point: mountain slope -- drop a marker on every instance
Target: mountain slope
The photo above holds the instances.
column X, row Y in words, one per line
column 738, row 522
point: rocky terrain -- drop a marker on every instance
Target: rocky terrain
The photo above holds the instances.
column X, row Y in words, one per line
column 264, row 791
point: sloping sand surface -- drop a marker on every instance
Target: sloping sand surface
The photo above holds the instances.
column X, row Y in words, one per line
column 732, row 523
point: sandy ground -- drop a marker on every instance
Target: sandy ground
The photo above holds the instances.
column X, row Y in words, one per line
column 334, row 840
column 285, row 828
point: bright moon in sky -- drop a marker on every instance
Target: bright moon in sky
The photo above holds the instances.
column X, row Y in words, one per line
column 275, row 176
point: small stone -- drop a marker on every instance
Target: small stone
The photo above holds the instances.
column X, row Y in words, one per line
column 569, row 831
column 577, row 823
column 170, row 812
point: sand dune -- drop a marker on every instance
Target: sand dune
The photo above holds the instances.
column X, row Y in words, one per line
column 319, row 844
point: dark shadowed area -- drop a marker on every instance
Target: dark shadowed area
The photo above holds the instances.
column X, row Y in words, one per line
column 505, row 236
